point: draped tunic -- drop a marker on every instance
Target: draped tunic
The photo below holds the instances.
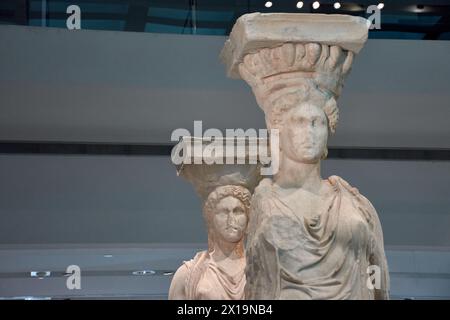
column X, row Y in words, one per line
column 207, row 280
column 325, row 256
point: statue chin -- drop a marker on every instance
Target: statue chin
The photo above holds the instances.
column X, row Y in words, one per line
column 231, row 237
column 311, row 157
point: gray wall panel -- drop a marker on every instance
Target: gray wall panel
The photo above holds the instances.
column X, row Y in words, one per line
column 137, row 199
column 137, row 87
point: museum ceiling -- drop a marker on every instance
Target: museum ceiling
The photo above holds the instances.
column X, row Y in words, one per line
column 400, row 19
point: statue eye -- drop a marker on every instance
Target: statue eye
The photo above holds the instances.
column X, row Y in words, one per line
column 221, row 212
column 238, row 210
column 299, row 120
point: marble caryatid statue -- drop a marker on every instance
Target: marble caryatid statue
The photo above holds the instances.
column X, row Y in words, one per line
column 308, row 237
column 219, row 272
column 225, row 189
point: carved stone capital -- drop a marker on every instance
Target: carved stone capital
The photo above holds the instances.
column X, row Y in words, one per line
column 292, row 58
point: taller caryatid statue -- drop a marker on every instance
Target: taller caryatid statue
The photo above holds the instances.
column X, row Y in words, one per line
column 308, row 237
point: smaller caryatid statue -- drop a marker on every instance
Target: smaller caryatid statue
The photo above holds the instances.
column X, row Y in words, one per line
column 217, row 273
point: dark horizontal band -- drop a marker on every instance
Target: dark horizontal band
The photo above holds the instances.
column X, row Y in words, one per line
column 69, row 148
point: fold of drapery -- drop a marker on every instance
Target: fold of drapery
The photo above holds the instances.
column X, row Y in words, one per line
column 323, row 257
column 207, row 280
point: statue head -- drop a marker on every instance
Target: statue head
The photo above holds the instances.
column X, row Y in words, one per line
column 226, row 212
column 304, row 134
column 304, row 119
column 297, row 86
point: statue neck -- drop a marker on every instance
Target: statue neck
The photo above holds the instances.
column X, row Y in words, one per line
column 226, row 250
column 298, row 175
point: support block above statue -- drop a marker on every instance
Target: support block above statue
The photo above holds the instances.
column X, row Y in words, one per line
column 256, row 31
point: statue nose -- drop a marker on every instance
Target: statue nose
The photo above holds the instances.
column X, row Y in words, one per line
column 231, row 218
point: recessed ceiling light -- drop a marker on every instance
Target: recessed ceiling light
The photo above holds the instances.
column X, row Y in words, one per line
column 417, row 8
column 268, row 4
column 316, row 5
column 168, row 273
column 337, row 5
column 107, row 256
column 299, row 4
column 353, row 7
column 380, row 5
column 40, row 274
column 144, row 273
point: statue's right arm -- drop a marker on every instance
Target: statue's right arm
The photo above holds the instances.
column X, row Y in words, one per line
column 177, row 289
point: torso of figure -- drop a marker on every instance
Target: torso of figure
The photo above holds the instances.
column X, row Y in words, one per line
column 321, row 244
column 307, row 205
column 222, row 282
column 205, row 279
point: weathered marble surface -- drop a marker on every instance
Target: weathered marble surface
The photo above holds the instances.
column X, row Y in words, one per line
column 255, row 31
column 308, row 237
column 225, row 191
column 218, row 273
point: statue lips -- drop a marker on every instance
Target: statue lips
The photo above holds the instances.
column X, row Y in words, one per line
column 233, row 233
column 232, row 228
column 306, row 146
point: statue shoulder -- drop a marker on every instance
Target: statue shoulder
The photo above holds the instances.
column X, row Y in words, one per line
column 263, row 197
column 199, row 256
column 336, row 180
column 182, row 276
column 177, row 290
column 264, row 186
column 360, row 201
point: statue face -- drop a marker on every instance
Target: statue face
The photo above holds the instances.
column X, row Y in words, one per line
column 304, row 133
column 230, row 219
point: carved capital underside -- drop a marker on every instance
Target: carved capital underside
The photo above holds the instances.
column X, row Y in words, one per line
column 294, row 58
